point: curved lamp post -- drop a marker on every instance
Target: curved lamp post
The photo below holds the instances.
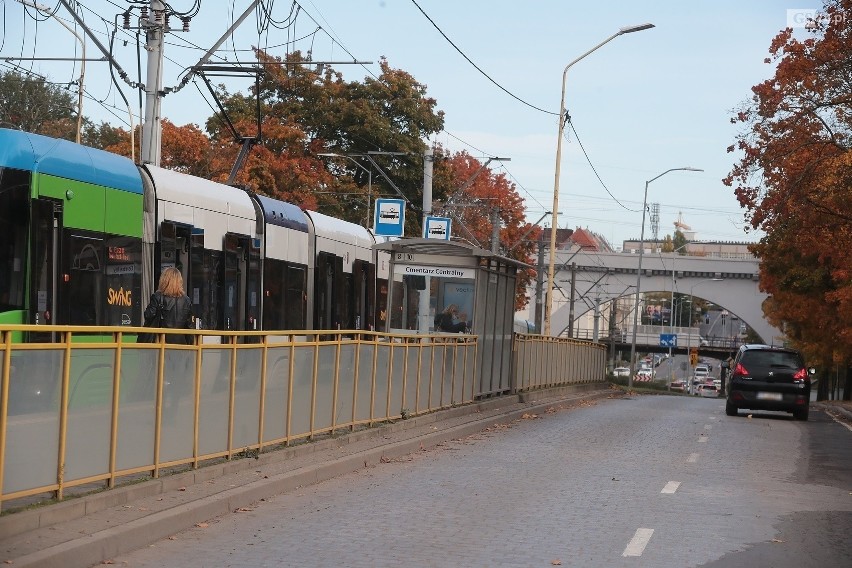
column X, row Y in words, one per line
column 639, row 271
column 552, row 262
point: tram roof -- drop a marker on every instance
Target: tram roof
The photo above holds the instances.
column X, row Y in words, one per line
column 67, row 160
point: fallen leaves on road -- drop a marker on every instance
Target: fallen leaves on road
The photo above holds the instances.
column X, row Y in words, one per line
column 202, row 525
column 242, row 510
column 556, row 562
column 528, row 416
column 777, row 540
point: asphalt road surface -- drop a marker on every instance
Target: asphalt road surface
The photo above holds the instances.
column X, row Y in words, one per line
column 648, row 481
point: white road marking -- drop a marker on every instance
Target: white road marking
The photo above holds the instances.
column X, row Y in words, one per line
column 693, row 458
column 708, row 426
column 671, row 487
column 712, row 418
column 638, row 543
column 702, row 438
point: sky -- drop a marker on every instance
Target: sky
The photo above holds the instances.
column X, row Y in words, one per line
column 642, row 104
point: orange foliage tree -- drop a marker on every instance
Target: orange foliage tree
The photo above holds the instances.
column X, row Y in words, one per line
column 795, row 182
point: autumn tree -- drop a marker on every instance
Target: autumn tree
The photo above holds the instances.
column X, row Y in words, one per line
column 795, row 182
column 308, row 111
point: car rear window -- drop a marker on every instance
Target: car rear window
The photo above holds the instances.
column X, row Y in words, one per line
column 772, row 359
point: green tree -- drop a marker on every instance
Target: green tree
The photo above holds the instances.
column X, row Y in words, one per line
column 31, row 103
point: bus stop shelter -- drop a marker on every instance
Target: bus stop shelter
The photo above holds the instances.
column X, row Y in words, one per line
column 427, row 275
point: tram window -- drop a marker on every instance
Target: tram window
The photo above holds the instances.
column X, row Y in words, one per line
column 347, row 299
column 123, row 280
column 297, row 286
column 84, row 275
column 274, row 302
column 14, row 217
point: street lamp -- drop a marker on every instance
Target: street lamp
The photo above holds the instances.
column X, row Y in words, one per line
column 352, row 159
column 639, row 271
column 555, row 208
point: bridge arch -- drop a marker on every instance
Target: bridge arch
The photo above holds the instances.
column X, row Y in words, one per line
column 598, row 276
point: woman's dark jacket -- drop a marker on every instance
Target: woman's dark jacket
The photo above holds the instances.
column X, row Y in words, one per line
column 176, row 313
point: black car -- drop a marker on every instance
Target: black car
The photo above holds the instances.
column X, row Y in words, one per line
column 769, row 378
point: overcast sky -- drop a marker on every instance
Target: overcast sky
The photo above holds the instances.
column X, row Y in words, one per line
column 640, row 105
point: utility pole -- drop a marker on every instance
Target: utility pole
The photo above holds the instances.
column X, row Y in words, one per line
column 495, row 230
column 539, row 283
column 596, row 329
column 571, row 300
column 151, row 128
column 423, row 304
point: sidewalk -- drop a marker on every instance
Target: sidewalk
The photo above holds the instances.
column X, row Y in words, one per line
column 89, row 530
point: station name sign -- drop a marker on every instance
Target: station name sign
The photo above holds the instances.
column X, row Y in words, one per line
column 438, row 271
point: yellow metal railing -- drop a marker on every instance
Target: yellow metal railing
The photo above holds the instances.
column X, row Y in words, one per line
column 95, row 411
column 544, row 362
column 93, row 406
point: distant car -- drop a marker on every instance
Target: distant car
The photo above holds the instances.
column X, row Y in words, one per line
column 679, row 386
column 701, row 371
column 708, row 391
column 769, row 378
column 621, row 372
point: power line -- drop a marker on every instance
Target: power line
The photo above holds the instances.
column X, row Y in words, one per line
column 475, row 66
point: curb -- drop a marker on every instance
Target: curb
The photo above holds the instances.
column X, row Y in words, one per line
column 833, row 409
column 202, row 501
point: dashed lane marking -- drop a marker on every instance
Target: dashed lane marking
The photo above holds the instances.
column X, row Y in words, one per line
column 708, row 426
column 693, row 458
column 637, row 544
column 671, row 487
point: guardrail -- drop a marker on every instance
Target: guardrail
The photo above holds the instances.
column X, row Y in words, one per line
column 93, row 406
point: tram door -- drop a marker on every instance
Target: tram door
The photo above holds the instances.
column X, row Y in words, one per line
column 240, row 283
column 180, row 246
column 364, row 295
column 327, row 291
column 174, row 251
column 46, row 229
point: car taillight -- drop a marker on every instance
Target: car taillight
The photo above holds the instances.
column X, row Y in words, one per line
column 740, row 371
column 801, row 375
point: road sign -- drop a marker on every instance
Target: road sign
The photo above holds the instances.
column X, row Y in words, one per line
column 693, row 356
column 389, row 217
column 668, row 340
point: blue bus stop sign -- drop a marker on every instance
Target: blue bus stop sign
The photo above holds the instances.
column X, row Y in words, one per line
column 389, row 217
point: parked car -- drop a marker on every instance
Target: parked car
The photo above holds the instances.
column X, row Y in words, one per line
column 769, row 378
column 621, row 372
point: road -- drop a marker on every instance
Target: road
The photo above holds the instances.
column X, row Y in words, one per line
column 644, row 481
